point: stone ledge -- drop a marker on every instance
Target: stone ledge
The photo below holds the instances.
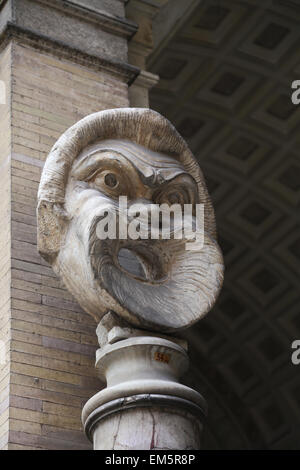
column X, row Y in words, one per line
column 108, row 22
column 93, row 32
column 126, row 72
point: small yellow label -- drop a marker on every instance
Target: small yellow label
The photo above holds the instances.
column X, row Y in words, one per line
column 162, row 357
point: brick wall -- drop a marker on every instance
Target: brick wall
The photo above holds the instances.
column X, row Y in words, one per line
column 5, row 237
column 53, row 342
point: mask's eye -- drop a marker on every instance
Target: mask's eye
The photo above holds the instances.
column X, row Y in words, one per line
column 111, row 180
column 182, row 190
column 174, row 196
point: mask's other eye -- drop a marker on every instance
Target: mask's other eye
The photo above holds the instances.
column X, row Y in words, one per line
column 182, row 190
column 172, row 196
column 108, row 182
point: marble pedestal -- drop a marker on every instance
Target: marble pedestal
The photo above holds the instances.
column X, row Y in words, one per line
column 143, row 406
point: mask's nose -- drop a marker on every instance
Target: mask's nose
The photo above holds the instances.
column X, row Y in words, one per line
column 148, row 215
column 141, row 208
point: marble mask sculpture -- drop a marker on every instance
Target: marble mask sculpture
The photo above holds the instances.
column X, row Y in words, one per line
column 153, row 284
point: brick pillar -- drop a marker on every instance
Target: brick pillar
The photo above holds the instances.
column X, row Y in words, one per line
column 142, row 13
column 59, row 61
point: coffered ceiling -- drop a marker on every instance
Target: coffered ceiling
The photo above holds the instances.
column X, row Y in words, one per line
column 226, row 74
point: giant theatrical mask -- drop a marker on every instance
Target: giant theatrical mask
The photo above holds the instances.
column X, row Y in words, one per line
column 155, row 284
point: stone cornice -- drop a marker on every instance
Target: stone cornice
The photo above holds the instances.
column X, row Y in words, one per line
column 109, row 23
column 146, row 79
column 112, row 24
column 126, row 72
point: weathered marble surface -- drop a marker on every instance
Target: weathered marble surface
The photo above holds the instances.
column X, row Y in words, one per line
column 112, row 329
column 140, row 365
column 131, row 285
column 149, row 162
column 144, row 406
column 148, row 429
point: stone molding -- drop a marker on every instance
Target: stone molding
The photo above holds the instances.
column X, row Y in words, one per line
column 77, row 31
column 148, row 400
column 151, row 389
column 112, row 24
column 139, row 90
column 108, row 22
column 123, row 71
column 146, row 80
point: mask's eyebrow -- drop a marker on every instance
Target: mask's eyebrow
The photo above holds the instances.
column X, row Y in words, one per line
column 100, row 159
column 135, row 167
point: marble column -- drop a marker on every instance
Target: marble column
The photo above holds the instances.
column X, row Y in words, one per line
column 144, row 406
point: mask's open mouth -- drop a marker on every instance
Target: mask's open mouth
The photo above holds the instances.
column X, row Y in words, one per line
column 141, row 262
column 132, row 263
column 157, row 282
